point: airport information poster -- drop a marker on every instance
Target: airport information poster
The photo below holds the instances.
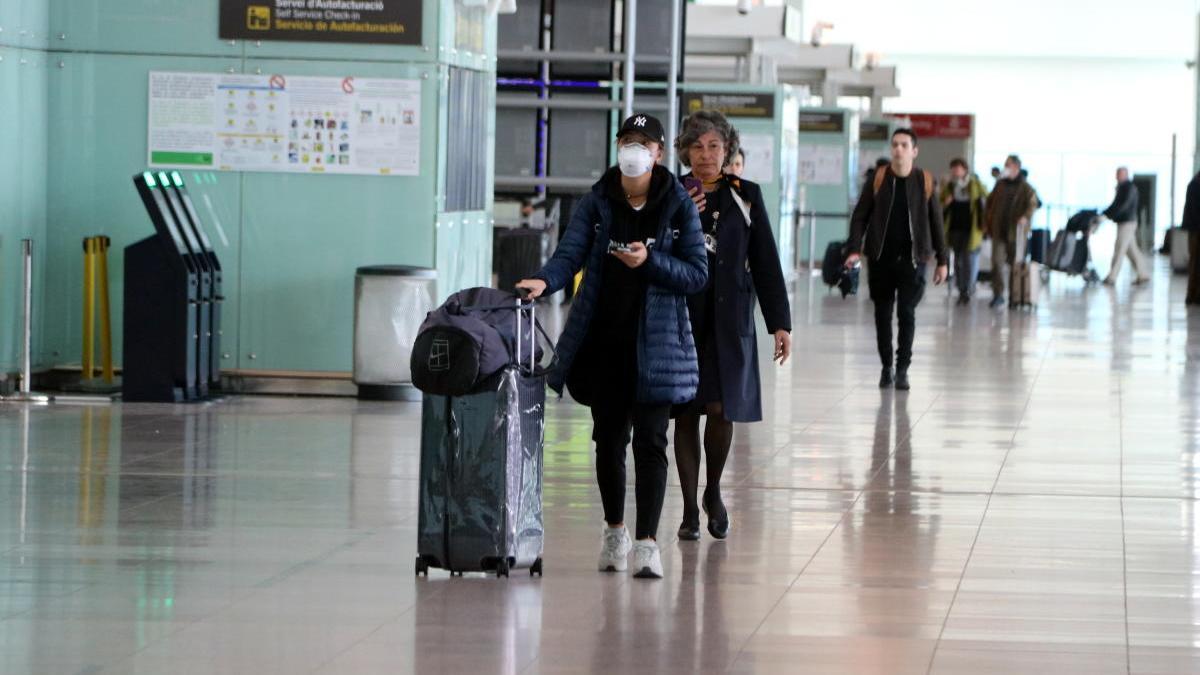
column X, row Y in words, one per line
column 292, row 124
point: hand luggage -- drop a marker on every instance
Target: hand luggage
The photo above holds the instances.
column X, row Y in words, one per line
column 1083, row 220
column 1039, row 245
column 1026, row 284
column 1062, row 251
column 480, row 478
column 832, row 263
column 466, row 340
column 1179, row 250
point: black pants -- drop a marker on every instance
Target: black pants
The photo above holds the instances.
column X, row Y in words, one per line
column 612, row 423
column 898, row 284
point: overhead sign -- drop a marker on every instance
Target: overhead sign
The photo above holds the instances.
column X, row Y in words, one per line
column 873, row 131
column 822, row 122
column 959, row 126
column 393, row 22
column 731, row 105
column 284, row 123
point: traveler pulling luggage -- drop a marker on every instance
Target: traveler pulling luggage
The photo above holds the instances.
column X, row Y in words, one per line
column 480, row 479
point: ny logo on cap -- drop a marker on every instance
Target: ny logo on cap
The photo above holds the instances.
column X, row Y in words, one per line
column 639, row 121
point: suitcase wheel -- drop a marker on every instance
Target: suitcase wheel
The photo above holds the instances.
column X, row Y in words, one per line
column 536, row 568
column 422, row 567
column 455, row 574
column 502, row 568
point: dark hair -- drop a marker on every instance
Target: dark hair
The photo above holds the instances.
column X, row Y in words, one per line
column 701, row 122
column 959, row 161
column 995, row 170
column 907, row 132
column 1014, row 159
column 741, row 153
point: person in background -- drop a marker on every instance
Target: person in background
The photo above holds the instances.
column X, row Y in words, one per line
column 738, row 165
column 996, row 175
column 898, row 224
column 964, row 199
column 627, row 350
column 1006, row 219
column 743, row 264
column 1123, row 212
column 1191, row 223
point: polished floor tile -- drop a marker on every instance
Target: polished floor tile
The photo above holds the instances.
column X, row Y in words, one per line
column 1030, row 507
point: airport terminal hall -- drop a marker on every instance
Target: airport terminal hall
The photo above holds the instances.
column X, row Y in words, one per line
column 560, row 337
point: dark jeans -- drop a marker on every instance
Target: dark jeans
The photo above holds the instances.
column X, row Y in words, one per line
column 900, row 285
column 612, row 422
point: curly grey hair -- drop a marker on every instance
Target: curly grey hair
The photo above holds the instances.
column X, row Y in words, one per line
column 701, row 122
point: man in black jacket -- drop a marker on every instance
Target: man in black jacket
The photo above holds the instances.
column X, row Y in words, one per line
column 898, row 224
column 1191, row 223
column 1123, row 212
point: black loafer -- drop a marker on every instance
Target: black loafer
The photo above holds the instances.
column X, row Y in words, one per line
column 689, row 531
column 902, row 380
column 718, row 517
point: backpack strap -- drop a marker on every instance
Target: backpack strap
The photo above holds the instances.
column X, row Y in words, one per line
column 880, row 174
column 928, row 184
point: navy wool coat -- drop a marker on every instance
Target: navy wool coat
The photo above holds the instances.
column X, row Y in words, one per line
column 747, row 267
column 676, row 267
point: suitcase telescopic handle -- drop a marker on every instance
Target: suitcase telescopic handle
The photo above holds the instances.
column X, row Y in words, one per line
column 522, row 305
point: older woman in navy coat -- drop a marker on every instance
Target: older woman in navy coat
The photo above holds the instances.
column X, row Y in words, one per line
column 743, row 264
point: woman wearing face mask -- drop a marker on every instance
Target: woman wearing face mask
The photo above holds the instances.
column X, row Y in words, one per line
column 627, row 351
column 743, row 262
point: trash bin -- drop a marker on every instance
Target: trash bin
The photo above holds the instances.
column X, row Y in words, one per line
column 390, row 302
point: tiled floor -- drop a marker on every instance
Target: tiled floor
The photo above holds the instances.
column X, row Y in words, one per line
column 1030, row 507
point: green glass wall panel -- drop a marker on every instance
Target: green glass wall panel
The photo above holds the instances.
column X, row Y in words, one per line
column 98, row 142
column 304, row 236
column 289, row 244
column 23, row 104
column 139, row 26
column 24, row 23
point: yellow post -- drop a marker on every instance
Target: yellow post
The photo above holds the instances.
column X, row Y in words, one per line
column 89, row 309
column 106, row 359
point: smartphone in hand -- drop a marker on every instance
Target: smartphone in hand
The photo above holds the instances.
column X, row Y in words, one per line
column 691, row 182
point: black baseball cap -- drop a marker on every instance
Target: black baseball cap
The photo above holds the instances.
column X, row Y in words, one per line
column 647, row 125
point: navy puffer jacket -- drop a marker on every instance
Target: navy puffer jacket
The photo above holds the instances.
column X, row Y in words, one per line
column 676, row 267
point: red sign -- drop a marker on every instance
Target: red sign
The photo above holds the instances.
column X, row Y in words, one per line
column 277, row 82
column 939, row 126
column 348, row 85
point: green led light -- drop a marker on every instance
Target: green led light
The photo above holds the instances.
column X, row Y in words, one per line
column 149, row 178
column 162, row 178
column 177, row 179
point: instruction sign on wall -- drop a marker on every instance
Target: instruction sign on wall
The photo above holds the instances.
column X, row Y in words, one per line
column 393, row 22
column 284, row 123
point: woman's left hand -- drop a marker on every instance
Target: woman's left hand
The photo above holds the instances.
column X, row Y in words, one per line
column 783, row 346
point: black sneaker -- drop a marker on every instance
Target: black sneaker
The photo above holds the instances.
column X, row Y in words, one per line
column 902, row 379
column 997, row 301
column 885, row 378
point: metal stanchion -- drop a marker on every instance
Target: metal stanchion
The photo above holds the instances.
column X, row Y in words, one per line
column 812, row 244
column 24, row 392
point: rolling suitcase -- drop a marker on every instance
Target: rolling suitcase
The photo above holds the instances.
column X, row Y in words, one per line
column 1039, row 245
column 1026, row 284
column 480, row 479
column 1062, row 251
column 1179, row 250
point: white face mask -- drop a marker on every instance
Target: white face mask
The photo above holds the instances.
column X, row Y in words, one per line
column 634, row 159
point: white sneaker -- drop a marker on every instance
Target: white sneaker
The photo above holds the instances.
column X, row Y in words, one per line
column 647, row 563
column 614, row 549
